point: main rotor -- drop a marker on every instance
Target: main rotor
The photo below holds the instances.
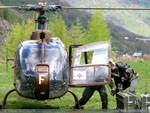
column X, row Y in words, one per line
column 41, row 8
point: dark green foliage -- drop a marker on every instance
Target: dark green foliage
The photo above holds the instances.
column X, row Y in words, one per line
column 10, row 15
column 1, row 13
column 70, row 17
column 17, row 2
column 6, row 14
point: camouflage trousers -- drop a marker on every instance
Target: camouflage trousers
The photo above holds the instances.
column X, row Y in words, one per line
column 88, row 92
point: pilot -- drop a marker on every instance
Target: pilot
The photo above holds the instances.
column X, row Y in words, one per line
column 88, row 92
column 124, row 77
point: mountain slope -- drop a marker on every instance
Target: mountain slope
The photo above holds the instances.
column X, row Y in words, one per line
column 135, row 21
column 115, row 22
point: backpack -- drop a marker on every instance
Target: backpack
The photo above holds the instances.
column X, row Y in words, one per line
column 122, row 66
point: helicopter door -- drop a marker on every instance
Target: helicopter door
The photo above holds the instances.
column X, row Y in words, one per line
column 95, row 69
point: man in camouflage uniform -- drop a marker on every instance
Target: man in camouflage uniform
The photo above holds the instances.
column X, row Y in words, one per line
column 88, row 92
column 124, row 77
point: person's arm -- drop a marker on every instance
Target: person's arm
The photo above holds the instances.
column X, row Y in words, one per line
column 113, row 88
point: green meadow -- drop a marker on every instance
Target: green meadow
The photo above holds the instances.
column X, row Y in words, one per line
column 14, row 101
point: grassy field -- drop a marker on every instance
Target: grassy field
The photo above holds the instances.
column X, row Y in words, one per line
column 66, row 102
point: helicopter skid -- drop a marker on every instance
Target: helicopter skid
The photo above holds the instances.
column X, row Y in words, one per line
column 76, row 99
column 5, row 98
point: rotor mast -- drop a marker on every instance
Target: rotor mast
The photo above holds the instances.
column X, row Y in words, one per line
column 41, row 20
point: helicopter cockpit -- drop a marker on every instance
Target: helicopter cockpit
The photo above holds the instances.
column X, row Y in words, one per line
column 29, row 55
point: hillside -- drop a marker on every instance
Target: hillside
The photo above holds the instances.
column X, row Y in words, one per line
column 118, row 32
column 121, row 23
column 134, row 21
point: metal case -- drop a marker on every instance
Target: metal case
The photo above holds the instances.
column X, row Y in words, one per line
column 126, row 101
column 145, row 101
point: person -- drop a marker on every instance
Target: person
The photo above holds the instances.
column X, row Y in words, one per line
column 88, row 92
column 124, row 77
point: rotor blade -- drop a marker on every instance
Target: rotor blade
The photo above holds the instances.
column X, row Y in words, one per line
column 4, row 7
column 72, row 8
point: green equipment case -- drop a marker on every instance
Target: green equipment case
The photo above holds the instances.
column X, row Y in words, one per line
column 126, row 101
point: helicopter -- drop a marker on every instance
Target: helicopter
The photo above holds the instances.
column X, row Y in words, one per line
column 42, row 68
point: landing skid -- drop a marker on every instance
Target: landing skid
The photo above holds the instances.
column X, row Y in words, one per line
column 6, row 96
column 76, row 99
column 5, row 99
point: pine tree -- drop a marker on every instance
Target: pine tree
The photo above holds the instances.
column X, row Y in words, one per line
column 6, row 15
column 77, row 33
column 59, row 29
column 19, row 32
column 1, row 13
column 97, row 29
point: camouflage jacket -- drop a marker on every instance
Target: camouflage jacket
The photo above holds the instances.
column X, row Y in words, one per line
column 124, row 71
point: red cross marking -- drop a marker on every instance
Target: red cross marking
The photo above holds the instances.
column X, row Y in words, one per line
column 79, row 75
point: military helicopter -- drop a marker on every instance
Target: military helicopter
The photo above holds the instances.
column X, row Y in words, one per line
column 41, row 66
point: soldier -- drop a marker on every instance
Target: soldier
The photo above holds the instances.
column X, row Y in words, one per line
column 124, row 77
column 88, row 92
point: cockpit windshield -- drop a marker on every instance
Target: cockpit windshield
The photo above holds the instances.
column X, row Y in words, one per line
column 30, row 55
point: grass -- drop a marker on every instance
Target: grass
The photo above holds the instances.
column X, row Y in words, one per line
column 14, row 101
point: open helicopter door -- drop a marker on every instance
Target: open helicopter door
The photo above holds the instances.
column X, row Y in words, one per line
column 93, row 71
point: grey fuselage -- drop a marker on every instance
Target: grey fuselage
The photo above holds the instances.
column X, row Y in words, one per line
column 28, row 54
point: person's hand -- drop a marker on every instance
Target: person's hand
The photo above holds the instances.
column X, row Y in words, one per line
column 113, row 92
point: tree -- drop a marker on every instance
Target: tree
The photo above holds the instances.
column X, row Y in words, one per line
column 6, row 15
column 58, row 29
column 1, row 13
column 77, row 32
column 97, row 29
column 19, row 32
